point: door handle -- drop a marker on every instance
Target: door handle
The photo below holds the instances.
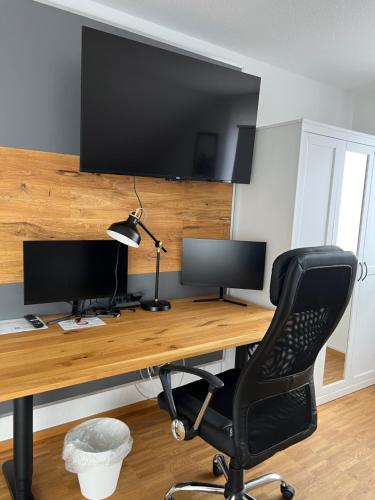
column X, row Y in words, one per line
column 360, row 276
column 365, row 276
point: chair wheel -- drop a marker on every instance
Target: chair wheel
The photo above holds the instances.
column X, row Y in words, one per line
column 216, row 470
column 287, row 491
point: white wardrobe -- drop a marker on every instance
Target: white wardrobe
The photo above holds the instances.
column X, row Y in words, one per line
column 313, row 184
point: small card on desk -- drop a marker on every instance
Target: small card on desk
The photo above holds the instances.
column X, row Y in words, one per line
column 18, row 325
column 79, row 324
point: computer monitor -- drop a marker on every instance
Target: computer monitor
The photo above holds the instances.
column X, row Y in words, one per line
column 57, row 271
column 223, row 263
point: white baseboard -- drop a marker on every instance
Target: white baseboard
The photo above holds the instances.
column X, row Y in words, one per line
column 344, row 391
column 69, row 410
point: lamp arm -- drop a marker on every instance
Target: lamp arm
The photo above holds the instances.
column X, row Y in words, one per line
column 156, row 241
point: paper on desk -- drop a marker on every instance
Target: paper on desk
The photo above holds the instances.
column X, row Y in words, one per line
column 18, row 325
column 72, row 324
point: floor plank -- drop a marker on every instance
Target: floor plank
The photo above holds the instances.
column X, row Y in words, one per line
column 337, row 462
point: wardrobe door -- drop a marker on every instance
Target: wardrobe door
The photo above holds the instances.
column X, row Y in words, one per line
column 322, row 158
column 346, row 229
column 363, row 345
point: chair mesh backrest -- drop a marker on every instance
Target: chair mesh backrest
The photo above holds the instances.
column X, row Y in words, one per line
column 274, row 404
column 293, row 350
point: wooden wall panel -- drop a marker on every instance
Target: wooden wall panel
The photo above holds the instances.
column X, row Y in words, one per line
column 45, row 196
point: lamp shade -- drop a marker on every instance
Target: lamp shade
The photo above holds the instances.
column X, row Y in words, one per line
column 125, row 232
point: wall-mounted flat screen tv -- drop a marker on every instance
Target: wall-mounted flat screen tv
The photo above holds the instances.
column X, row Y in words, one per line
column 148, row 111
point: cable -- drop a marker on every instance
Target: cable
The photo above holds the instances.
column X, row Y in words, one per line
column 150, row 379
column 137, row 195
column 182, row 374
column 145, row 396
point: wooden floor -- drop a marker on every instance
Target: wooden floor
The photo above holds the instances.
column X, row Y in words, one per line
column 337, row 462
column 334, row 366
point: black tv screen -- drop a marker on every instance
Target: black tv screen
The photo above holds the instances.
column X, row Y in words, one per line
column 149, row 111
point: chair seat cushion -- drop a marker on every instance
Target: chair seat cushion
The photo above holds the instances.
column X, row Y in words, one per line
column 216, row 426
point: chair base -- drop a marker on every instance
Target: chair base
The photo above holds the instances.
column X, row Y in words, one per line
column 221, row 468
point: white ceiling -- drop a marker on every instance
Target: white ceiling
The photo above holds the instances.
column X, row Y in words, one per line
column 328, row 40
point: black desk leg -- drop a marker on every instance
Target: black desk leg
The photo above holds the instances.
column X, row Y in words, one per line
column 19, row 471
column 241, row 356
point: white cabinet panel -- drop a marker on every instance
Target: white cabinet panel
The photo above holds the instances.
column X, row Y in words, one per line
column 319, row 163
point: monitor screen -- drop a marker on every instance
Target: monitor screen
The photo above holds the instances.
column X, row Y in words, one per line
column 223, row 263
column 57, row 271
column 153, row 112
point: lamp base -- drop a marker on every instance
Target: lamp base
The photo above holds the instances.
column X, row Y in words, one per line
column 155, row 305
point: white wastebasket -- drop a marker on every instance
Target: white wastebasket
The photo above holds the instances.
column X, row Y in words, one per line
column 95, row 451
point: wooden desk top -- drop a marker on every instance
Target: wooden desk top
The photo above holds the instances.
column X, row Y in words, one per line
column 31, row 363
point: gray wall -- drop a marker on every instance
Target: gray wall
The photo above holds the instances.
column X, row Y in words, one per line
column 12, row 306
column 40, row 55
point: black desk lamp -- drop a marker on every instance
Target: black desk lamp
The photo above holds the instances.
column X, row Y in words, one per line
column 126, row 232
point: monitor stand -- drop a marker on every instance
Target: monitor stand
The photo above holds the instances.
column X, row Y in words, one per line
column 221, row 298
column 110, row 312
column 74, row 314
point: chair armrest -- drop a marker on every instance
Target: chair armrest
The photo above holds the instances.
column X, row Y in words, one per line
column 214, row 383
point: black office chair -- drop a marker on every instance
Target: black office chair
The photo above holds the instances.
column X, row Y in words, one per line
column 269, row 404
